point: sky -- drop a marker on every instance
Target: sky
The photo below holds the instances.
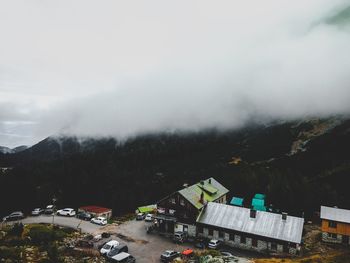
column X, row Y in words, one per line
column 121, row 68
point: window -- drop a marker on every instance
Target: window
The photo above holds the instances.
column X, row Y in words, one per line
column 274, row 246
column 210, row 232
column 200, row 229
column 232, row 237
column 243, row 240
column 182, row 202
column 254, row 242
column 332, row 235
column 332, row 224
column 172, row 200
column 221, row 234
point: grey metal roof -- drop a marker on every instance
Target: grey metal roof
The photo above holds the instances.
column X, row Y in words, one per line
column 265, row 224
column 335, row 214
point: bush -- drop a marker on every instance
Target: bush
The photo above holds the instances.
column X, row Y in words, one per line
column 41, row 234
column 16, row 230
column 10, row 253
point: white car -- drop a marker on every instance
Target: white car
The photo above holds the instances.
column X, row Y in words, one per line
column 148, row 218
column 37, row 211
column 214, row 244
column 99, row 220
column 66, row 212
column 108, row 247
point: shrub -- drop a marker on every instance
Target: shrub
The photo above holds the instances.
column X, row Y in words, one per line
column 10, row 253
column 41, row 234
column 16, row 230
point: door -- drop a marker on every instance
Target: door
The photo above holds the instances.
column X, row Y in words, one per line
column 185, row 229
column 345, row 240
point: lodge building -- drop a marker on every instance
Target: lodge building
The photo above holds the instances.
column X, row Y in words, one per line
column 179, row 211
column 250, row 229
column 335, row 225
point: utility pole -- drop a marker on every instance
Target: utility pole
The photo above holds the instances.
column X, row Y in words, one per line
column 54, row 199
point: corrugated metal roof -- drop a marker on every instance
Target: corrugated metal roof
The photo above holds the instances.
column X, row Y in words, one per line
column 265, row 224
column 95, row 209
column 335, row 214
column 193, row 193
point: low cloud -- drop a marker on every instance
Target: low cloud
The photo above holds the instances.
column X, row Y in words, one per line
column 112, row 69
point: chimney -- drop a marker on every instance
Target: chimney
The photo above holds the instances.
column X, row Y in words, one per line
column 209, row 181
column 284, row 216
column 252, row 213
column 202, row 198
column 202, row 182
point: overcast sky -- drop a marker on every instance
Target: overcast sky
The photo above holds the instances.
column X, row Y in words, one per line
column 119, row 68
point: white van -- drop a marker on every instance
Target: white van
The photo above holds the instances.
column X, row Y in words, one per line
column 108, row 247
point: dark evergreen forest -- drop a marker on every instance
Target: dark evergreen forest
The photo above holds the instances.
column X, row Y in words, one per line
column 141, row 170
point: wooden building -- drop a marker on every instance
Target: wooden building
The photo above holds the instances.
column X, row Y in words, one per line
column 179, row 211
column 335, row 225
column 249, row 229
column 96, row 211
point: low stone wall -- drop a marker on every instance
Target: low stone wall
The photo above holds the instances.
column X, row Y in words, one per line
column 327, row 237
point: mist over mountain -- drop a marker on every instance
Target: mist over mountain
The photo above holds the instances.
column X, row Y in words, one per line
column 298, row 164
column 132, row 71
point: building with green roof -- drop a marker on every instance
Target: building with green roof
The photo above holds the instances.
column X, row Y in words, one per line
column 179, row 211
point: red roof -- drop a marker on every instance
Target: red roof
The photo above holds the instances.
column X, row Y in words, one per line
column 95, row 209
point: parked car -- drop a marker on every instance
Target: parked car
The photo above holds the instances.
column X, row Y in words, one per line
column 200, row 243
column 123, row 257
column 169, row 255
column 140, row 216
column 226, row 254
column 66, row 212
column 14, row 216
column 49, row 210
column 99, row 220
column 148, row 218
column 214, row 244
column 84, row 216
column 180, row 237
column 37, row 211
column 116, row 250
column 108, row 247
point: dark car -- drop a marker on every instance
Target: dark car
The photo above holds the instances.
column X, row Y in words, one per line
column 116, row 250
column 140, row 216
column 123, row 257
column 180, row 237
column 169, row 255
column 84, row 216
column 49, row 210
column 200, row 243
column 14, row 216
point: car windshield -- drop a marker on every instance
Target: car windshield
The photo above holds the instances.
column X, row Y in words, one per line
column 113, row 252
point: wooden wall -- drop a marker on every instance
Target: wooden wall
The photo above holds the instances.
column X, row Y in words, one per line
column 342, row 228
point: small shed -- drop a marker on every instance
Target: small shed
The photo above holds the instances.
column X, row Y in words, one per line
column 97, row 211
column 258, row 202
column 146, row 209
column 237, row 201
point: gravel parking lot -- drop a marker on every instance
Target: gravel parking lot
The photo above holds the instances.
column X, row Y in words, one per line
column 144, row 247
